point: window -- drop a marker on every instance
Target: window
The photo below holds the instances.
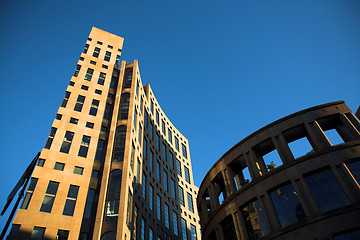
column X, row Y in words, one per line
column 107, row 56
column 62, row 235
column 89, row 203
column 129, row 209
column 124, row 106
column 157, row 141
column 84, row 146
column 254, row 220
column 78, row 170
column 14, row 230
column 117, row 59
column 287, row 205
column 158, row 206
column 37, row 233
column 89, row 125
column 82, row 59
column 95, row 174
column 41, row 162
column 104, row 66
column 113, row 196
column 119, row 145
column 79, row 103
column 77, row 70
column 89, row 39
column 98, row 42
column 107, row 112
column 187, row 174
column 99, row 150
column 146, row 117
column 49, row 197
column 59, row 166
column 164, row 151
column 354, row 168
column 139, row 136
column 137, row 88
column 165, row 180
column 184, row 152
column 135, row 115
column 71, row 201
column 157, row 117
column 167, row 220
column 83, row 87
column 152, row 107
column 151, row 197
column 109, row 46
column 176, row 143
column 58, row 117
column 145, row 149
column 89, row 74
column 92, row 62
column 97, row 91
column 138, row 171
column 65, row 146
column 151, row 234
column 181, row 196
column 171, row 159
column 142, row 229
column 96, row 52
column 158, row 171
column 178, row 166
column 144, row 186
column 151, row 160
column 132, row 156
column 173, row 191
column 50, row 138
column 190, row 202
column 108, row 236
column 128, row 78
column 86, row 48
column 193, row 232
column 163, row 129
column 141, row 104
column 151, row 130
column 74, row 121
column 175, row 223
column 326, row 190
column 101, row 79
column 94, row 107
column 348, row 235
column 29, row 193
column 184, row 229
column 169, row 135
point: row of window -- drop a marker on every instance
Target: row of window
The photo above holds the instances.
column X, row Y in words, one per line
column 76, row 121
column 80, row 102
column 38, row 232
column 96, row 53
column 66, row 144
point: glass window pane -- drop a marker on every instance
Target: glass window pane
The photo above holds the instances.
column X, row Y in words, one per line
column 69, row 207
column 38, row 232
column 254, row 220
column 62, row 235
column 52, row 188
column 354, row 168
column 47, row 204
column 73, row 191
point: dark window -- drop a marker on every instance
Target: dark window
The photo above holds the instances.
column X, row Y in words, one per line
column 124, row 106
column 41, row 162
column 187, row 174
column 89, row 125
column 71, row 200
column 171, row 160
column 83, row 87
column 74, row 121
column 109, row 46
column 58, row 116
column 181, row 196
column 62, row 235
column 101, row 79
column 169, row 135
column 77, row 70
column 128, row 78
column 89, row 74
column 89, row 39
column 184, row 229
column 82, row 59
column 176, row 143
column 29, row 193
column 137, row 88
column 254, row 220
column 178, row 166
column 158, row 171
column 109, row 236
column 50, row 138
column 97, row 91
column 163, row 127
column 165, row 180
column 72, row 83
column 104, row 66
column 79, row 103
column 49, row 197
column 141, row 104
column 164, row 151
column 193, row 232
column 145, row 149
column 84, row 146
column 119, row 146
column 157, row 117
column 86, row 48
column 152, row 107
column 144, row 185
column 65, row 100
column 157, row 141
column 350, row 235
column 37, row 233
column 228, row 228
column 94, row 107
column 184, row 152
column 92, row 62
column 78, row 170
column 98, row 42
column 107, row 112
column 113, row 196
column 14, row 230
column 117, row 59
column 96, row 52
column 107, row 56
column 287, row 205
column 95, row 174
column 65, row 146
column 99, row 150
column 59, row 166
column 326, row 190
column 173, row 191
column 354, row 168
column 190, row 202
column 89, row 203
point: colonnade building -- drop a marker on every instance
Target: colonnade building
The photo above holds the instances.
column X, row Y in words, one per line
column 296, row 178
column 113, row 166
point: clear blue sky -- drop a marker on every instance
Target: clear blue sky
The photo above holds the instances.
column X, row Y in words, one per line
column 220, row 70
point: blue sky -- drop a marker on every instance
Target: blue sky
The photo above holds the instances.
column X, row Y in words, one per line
column 219, row 70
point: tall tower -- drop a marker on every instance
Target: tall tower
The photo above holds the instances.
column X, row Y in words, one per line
column 113, row 166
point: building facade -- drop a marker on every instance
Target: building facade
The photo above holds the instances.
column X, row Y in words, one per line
column 296, row 178
column 113, row 166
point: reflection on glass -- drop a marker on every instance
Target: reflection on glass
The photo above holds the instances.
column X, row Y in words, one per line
column 113, row 198
column 254, row 220
column 354, row 168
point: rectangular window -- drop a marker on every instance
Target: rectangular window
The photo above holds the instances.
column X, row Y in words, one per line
column 58, row 117
column 74, row 121
column 99, row 150
column 78, row 170
column 59, row 166
column 89, row 125
column 86, row 48
column 254, row 220
column 107, row 112
column 184, row 152
column 89, row 74
column 29, row 193
column 96, row 52
column 142, row 229
column 141, row 104
column 94, row 107
column 50, row 138
column 165, row 180
column 163, row 127
column 173, row 191
column 193, row 232
column 176, row 143
column 145, row 149
column 146, row 117
column 158, row 171
column 157, row 117
column 97, row 91
column 107, row 56
column 151, row 160
column 37, row 233
column 84, row 146
column 178, row 166
column 184, row 229
column 151, row 130
column 169, row 135
column 101, row 79
column 151, row 197
column 79, row 103
column 109, row 46
column 129, row 209
column 157, row 141
column 171, row 159
column 98, row 42
column 152, row 107
column 187, row 174
column 65, row 146
column 135, row 116
column 41, row 162
column 77, row 70
column 49, row 197
column 139, row 136
column 138, row 171
column 164, row 151
column 190, row 202
column 89, row 203
column 92, row 62
column 287, row 205
column 71, row 200
column 144, row 186
column 181, row 196
column 175, row 223
column 158, row 206
column 62, row 235
column 117, row 59
column 354, row 168
column 14, row 230
column 166, row 211
column 326, row 190
column 132, row 156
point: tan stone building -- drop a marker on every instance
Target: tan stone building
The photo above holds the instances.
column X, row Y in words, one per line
column 296, row 178
column 113, row 166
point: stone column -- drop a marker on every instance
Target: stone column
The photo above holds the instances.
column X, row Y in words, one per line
column 317, row 135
